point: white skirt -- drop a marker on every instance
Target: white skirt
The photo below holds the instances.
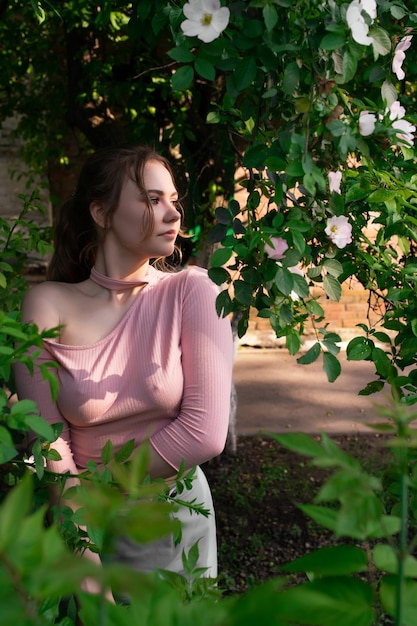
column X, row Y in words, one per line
column 163, row 553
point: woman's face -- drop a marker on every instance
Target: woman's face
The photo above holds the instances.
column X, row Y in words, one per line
column 129, row 223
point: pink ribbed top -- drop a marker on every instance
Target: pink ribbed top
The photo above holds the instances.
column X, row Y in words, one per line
column 163, row 374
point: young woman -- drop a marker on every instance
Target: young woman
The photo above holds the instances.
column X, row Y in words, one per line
column 141, row 352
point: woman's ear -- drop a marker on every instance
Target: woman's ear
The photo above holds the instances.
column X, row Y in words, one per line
column 98, row 214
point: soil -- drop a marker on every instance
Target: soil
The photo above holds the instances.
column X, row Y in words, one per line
column 256, row 492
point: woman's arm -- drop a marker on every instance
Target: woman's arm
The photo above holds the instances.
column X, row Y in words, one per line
column 39, row 308
column 200, row 430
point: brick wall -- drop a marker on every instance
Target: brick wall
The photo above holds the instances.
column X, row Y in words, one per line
column 14, row 176
column 342, row 317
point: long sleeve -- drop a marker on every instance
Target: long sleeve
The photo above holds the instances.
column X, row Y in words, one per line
column 200, row 430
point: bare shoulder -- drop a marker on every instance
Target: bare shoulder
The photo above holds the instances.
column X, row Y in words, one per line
column 43, row 304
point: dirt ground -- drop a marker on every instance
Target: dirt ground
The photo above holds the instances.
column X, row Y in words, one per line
column 256, row 492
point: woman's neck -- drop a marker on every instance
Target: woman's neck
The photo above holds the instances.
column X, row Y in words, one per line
column 112, row 265
column 114, row 284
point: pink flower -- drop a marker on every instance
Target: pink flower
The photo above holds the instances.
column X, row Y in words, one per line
column 278, row 248
column 335, row 179
column 339, row 231
column 399, row 56
column 366, row 123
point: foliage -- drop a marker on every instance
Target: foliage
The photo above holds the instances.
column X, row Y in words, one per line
column 288, row 93
column 295, row 85
column 352, row 504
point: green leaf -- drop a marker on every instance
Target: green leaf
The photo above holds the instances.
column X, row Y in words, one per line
column 125, row 451
column 315, row 308
column 386, row 559
column 301, row 287
column 350, row 66
column 219, row 275
column 344, row 601
column 300, row 443
column 205, row 68
column 182, row 78
column 373, row 387
column 38, row 10
column 381, row 40
column 107, row 452
column 183, row 55
column 388, row 594
column 220, row 257
column 13, row 511
column 41, row 427
column 333, row 267
column 397, row 11
column 7, row 447
column 359, row 349
column 255, row 156
column 321, row 515
column 224, row 304
column 243, row 292
column 382, row 362
column 270, row 16
column 213, row 117
column 293, row 342
column 245, row 73
column 356, row 192
column 222, row 215
column 291, row 78
column 331, row 366
column 381, row 195
column 284, row 281
column 299, row 243
column 295, row 169
column 383, row 337
column 332, row 41
column 331, row 561
column 332, row 287
column 311, row 355
column 217, row 233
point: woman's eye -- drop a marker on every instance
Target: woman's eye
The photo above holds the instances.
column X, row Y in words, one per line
column 154, row 200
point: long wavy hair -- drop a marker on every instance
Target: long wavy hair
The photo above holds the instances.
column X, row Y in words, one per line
column 101, row 180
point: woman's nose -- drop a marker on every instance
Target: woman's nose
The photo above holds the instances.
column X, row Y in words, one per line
column 173, row 214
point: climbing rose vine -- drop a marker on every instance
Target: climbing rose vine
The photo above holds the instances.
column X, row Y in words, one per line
column 313, row 104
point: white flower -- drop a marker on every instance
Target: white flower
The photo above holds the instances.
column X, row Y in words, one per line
column 404, row 128
column 206, row 19
column 335, row 179
column 405, row 134
column 399, row 56
column 367, row 123
column 339, row 231
column 357, row 22
column 278, row 248
column 396, row 111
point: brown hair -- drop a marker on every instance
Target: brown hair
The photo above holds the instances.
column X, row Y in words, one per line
column 101, row 180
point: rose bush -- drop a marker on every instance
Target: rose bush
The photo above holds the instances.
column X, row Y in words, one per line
column 312, row 102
